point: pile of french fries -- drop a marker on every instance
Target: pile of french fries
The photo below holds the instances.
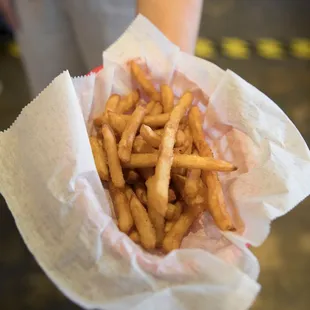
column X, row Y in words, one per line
column 160, row 171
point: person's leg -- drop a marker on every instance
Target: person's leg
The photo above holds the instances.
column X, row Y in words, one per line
column 47, row 42
column 97, row 24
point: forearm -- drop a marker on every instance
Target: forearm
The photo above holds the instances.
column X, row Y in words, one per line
column 178, row 19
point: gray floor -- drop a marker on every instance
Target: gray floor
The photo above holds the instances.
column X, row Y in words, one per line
column 285, row 256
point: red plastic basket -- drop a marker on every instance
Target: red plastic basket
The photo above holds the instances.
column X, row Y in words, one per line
column 95, row 70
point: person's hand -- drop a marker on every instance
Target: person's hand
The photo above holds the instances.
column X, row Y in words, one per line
column 6, row 8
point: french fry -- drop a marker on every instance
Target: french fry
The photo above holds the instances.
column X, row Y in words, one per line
column 134, row 236
column 216, row 201
column 140, row 191
column 131, row 176
column 111, row 105
column 204, row 163
column 174, row 211
column 141, row 146
column 150, row 136
column 117, row 123
column 128, row 192
column 159, row 131
column 98, row 131
column 167, row 98
column 100, row 141
column 192, row 181
column 157, row 109
column 200, row 199
column 183, row 124
column 179, row 138
column 186, row 148
column 146, row 173
column 143, row 223
column 189, row 141
column 157, row 192
column 171, row 195
column 178, row 210
column 121, row 205
column 195, row 124
column 169, row 225
column 128, row 136
column 184, row 145
column 179, row 161
column 128, row 102
column 158, row 222
column 100, row 158
column 154, row 121
column 98, row 121
column 180, row 228
column 146, row 84
column 149, row 107
column 154, row 139
column 113, row 160
column 195, row 206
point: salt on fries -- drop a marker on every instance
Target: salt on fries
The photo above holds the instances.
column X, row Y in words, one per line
column 161, row 175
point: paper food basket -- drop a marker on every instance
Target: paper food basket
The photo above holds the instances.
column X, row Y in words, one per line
column 49, row 181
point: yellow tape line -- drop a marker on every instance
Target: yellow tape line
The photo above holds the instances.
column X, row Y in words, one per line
column 235, row 48
column 300, row 48
column 205, row 48
column 270, row 49
column 267, row 48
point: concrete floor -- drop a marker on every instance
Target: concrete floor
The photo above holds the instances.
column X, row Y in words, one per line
column 285, row 256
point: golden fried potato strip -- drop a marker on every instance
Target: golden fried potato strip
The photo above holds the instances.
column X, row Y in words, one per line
column 216, row 202
column 110, row 146
column 158, row 185
column 100, row 158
